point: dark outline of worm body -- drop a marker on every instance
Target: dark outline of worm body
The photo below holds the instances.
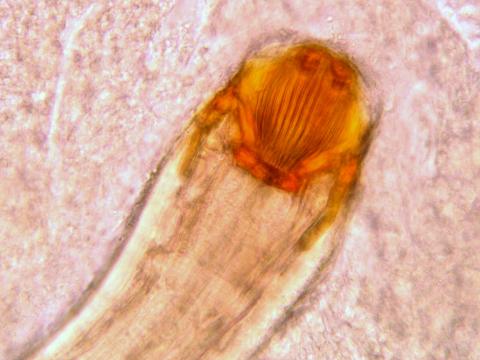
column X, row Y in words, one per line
column 210, row 263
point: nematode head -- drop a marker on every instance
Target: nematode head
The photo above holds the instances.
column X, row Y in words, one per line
column 299, row 114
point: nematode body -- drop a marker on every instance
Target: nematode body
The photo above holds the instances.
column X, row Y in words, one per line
column 241, row 216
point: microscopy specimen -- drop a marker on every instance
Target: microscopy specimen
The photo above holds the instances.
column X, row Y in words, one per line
column 242, row 214
column 299, row 114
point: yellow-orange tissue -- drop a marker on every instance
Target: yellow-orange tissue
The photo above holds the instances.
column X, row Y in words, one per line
column 299, row 113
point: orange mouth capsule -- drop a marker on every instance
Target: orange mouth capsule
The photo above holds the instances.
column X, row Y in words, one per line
column 299, row 113
column 294, row 112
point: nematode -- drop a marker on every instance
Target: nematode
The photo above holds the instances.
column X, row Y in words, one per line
column 243, row 214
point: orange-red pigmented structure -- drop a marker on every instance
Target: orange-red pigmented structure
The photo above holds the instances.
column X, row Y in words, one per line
column 302, row 109
column 299, row 113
